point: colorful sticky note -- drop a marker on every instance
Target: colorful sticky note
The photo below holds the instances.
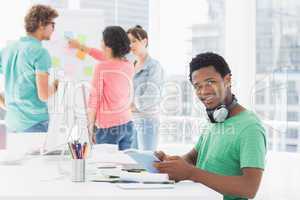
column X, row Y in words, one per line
column 69, row 35
column 82, row 39
column 88, row 71
column 80, row 54
column 55, row 62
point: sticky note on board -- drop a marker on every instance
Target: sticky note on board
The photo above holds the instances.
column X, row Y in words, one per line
column 82, row 39
column 88, row 71
column 80, row 55
column 55, row 62
column 69, row 35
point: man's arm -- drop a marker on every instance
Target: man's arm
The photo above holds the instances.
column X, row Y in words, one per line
column 44, row 91
column 245, row 185
column 2, row 102
column 191, row 157
column 242, row 186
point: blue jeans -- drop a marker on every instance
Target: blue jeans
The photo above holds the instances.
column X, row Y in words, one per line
column 39, row 127
column 120, row 135
column 146, row 137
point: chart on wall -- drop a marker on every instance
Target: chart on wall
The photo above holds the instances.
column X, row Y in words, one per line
column 71, row 64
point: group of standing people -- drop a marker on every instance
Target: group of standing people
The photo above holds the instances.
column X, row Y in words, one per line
column 125, row 94
column 131, row 121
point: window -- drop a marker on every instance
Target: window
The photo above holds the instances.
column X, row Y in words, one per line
column 260, row 94
column 292, row 98
column 291, row 147
column 277, row 63
column 291, row 86
column 54, row 3
column 126, row 13
column 260, row 97
column 292, row 133
column 293, row 116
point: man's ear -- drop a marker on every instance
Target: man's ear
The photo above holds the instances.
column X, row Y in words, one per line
column 227, row 80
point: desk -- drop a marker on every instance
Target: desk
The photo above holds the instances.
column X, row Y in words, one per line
column 39, row 179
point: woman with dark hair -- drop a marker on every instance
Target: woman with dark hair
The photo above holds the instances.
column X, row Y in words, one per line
column 109, row 101
column 147, row 81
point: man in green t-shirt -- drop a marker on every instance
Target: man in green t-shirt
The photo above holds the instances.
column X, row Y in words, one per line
column 230, row 153
column 25, row 65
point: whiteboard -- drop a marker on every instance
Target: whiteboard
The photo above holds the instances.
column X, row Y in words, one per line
column 83, row 25
column 73, row 69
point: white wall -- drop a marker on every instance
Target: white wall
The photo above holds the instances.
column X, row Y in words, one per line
column 12, row 23
column 240, row 44
column 12, row 14
column 171, row 23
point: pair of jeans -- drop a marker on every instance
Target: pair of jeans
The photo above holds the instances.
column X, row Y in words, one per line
column 39, row 127
column 146, row 136
column 120, row 135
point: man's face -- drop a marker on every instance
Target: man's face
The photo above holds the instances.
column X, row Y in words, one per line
column 210, row 87
column 47, row 30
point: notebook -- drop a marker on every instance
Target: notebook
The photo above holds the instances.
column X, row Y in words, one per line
column 136, row 186
column 144, row 158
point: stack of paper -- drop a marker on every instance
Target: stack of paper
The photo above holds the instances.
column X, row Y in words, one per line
column 137, row 186
column 121, row 176
column 106, row 153
column 144, row 177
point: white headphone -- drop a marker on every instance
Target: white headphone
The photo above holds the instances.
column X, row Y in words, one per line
column 221, row 112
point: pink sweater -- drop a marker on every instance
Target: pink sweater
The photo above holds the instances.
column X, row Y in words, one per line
column 111, row 91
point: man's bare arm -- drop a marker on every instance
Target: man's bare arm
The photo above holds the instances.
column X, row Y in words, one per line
column 191, row 157
column 2, row 101
column 243, row 186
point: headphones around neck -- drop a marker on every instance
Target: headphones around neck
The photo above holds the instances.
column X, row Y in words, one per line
column 221, row 112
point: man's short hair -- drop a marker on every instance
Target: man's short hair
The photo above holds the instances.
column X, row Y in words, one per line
column 39, row 15
column 209, row 59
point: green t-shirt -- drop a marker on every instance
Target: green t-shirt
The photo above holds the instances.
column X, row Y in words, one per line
column 225, row 148
column 19, row 63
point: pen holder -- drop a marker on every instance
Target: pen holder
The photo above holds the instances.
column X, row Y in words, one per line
column 78, row 170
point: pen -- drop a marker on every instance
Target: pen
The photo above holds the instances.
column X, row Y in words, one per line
column 84, row 150
column 158, row 182
column 71, row 150
column 79, row 151
column 74, row 151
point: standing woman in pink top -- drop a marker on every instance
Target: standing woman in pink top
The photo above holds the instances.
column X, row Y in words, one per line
column 110, row 96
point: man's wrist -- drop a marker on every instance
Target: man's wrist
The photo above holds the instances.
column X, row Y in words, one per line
column 192, row 173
